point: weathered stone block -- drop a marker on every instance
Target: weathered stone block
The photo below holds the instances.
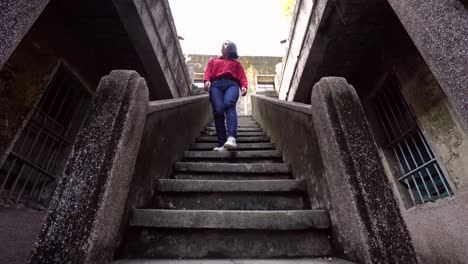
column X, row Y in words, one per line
column 83, row 221
column 367, row 224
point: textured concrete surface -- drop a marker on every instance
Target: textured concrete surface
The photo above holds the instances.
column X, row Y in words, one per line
column 367, row 223
column 239, row 139
column 151, row 27
column 440, row 229
column 16, row 18
column 170, row 127
column 236, row 168
column 290, row 126
column 240, row 146
column 238, row 261
column 439, row 28
column 227, row 244
column 234, row 154
column 240, row 200
column 173, row 185
column 85, row 215
column 231, row 219
column 18, row 230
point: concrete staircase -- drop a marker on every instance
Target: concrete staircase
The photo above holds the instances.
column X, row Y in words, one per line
column 241, row 205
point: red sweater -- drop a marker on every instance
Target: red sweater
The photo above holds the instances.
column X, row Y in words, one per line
column 221, row 68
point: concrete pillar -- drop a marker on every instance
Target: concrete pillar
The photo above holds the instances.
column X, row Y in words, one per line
column 16, row 18
column 367, row 223
column 439, row 29
column 85, row 215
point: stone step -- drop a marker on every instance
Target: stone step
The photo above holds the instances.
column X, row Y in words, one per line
column 230, row 219
column 253, row 154
column 232, row 176
column 241, row 123
column 175, row 185
column 326, row 260
column 254, row 201
column 232, row 168
column 239, row 139
column 231, row 195
column 239, row 129
column 240, row 146
column 209, row 243
column 239, row 134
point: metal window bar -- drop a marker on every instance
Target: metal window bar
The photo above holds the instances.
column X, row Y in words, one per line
column 420, row 170
column 29, row 172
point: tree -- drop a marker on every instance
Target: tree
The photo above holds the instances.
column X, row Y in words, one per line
column 288, row 7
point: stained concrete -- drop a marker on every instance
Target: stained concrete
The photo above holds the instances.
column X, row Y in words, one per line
column 170, row 127
column 16, row 18
column 439, row 28
column 231, row 219
column 227, row 244
column 151, row 27
column 238, row 261
column 83, row 221
column 18, row 230
column 237, row 168
column 368, row 226
column 172, row 185
column 290, row 126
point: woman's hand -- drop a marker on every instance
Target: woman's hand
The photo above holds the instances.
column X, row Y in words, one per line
column 207, row 85
column 243, row 91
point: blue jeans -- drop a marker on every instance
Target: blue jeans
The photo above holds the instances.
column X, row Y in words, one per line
column 223, row 98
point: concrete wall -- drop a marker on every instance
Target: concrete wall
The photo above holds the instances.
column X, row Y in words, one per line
column 171, row 125
column 439, row 28
column 86, row 211
column 329, row 144
column 438, row 228
column 253, row 65
column 17, row 16
column 290, row 127
column 151, row 27
column 26, row 74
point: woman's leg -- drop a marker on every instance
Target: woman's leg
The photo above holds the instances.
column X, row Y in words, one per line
column 217, row 104
column 230, row 100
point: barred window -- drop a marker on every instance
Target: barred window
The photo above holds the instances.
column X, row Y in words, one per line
column 29, row 174
column 421, row 174
column 265, row 83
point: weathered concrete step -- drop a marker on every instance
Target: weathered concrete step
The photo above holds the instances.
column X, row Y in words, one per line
column 240, row 125
column 239, row 134
column 224, row 243
column 254, row 154
column 326, row 260
column 226, row 219
column 254, row 201
column 239, row 139
column 174, row 185
column 231, row 176
column 233, row 168
column 239, row 129
column 231, row 195
column 240, row 146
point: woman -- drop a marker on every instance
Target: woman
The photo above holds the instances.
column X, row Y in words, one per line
column 223, row 77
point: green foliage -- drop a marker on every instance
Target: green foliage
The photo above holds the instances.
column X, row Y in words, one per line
column 288, row 7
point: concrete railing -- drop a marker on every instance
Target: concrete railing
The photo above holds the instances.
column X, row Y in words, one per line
column 124, row 144
column 85, row 214
column 329, row 144
column 171, row 125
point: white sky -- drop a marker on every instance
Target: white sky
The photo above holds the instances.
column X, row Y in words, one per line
column 256, row 26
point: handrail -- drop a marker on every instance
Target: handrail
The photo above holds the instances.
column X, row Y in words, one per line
column 298, row 107
column 160, row 105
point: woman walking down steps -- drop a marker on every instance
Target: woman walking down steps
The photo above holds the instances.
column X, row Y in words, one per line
column 222, row 78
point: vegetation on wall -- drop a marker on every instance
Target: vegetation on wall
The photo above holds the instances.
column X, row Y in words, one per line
column 288, row 7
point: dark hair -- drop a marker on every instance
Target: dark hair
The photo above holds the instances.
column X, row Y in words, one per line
column 233, row 55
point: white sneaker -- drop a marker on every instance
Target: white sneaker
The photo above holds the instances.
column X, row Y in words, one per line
column 219, row 149
column 230, row 143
